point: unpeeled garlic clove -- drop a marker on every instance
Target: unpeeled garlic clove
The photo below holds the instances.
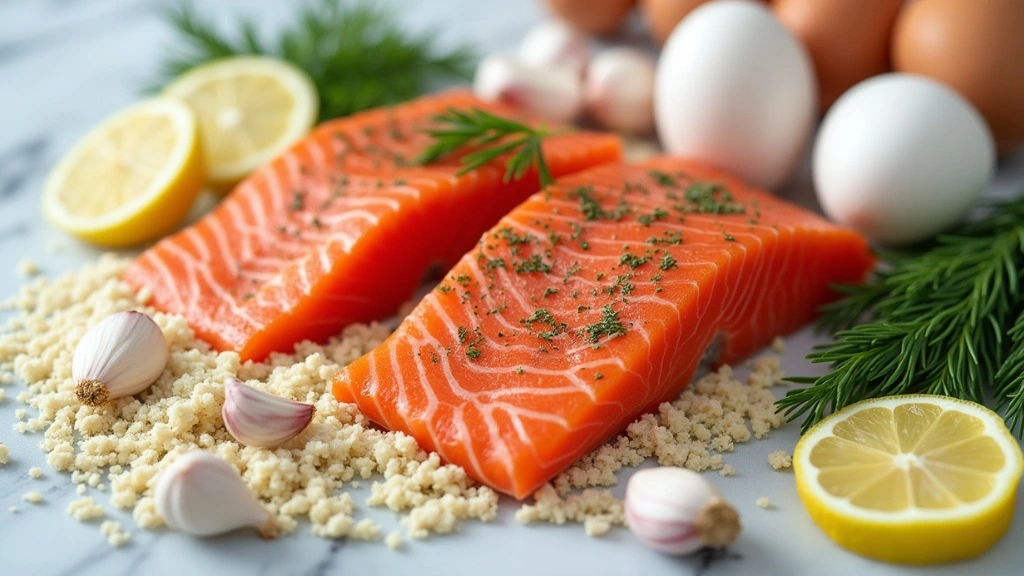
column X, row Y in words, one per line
column 554, row 93
column 202, row 495
column 678, row 511
column 554, row 43
column 619, row 90
column 256, row 418
column 121, row 356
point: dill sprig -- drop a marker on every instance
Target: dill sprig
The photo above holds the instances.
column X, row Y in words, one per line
column 947, row 320
column 485, row 136
column 355, row 52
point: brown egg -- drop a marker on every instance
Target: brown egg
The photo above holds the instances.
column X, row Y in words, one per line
column 848, row 39
column 593, row 16
column 977, row 47
column 661, row 16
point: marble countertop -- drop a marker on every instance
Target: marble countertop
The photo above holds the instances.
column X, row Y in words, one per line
column 64, row 65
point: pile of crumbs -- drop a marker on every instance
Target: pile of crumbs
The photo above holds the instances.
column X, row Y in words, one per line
column 131, row 440
column 780, row 459
column 128, row 442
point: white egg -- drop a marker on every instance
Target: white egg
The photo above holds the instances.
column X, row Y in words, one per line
column 736, row 90
column 901, row 158
column 554, row 43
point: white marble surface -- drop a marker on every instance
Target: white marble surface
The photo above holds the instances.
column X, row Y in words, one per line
column 66, row 64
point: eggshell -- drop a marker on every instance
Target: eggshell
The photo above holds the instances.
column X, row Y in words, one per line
column 848, row 39
column 594, row 16
column 733, row 88
column 901, row 157
column 977, row 47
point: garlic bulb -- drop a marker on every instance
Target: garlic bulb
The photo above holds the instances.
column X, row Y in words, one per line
column 677, row 511
column 256, row 418
column 552, row 93
column 202, row 495
column 619, row 90
column 121, row 356
column 554, row 43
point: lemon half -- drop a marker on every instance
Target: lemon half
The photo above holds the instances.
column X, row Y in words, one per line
column 132, row 179
column 911, row 479
column 249, row 108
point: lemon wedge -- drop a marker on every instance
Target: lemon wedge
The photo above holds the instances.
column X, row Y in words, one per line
column 132, row 179
column 910, row 479
column 249, row 110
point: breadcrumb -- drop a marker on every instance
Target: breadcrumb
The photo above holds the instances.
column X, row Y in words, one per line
column 780, row 459
column 727, row 470
column 779, row 345
column 27, row 268
column 12, row 509
column 393, row 540
column 763, row 502
column 35, row 472
column 130, row 441
column 597, row 509
column 2, row 394
column 5, row 454
column 33, row 497
column 81, row 489
column 85, row 509
column 116, row 535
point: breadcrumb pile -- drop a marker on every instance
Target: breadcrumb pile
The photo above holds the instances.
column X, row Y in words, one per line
column 780, row 459
column 127, row 443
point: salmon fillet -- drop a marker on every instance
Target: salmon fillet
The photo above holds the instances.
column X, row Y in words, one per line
column 340, row 229
column 593, row 302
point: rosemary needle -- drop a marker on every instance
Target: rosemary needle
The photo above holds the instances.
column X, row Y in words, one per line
column 485, row 136
column 947, row 320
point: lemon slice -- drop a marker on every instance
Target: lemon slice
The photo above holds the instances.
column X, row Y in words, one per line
column 132, row 179
column 249, row 109
column 910, row 479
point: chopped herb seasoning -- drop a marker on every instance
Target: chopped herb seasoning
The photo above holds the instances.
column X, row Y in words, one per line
column 728, row 237
column 576, row 230
column 511, row 238
column 591, row 208
column 534, row 264
column 434, row 357
column 554, row 238
column 549, row 291
column 316, row 223
column 520, row 370
column 462, row 335
column 248, row 296
column 633, row 261
column 658, row 214
column 542, row 316
column 298, row 202
column 599, row 276
column 710, row 198
column 582, row 309
column 497, row 310
column 495, row 263
column 664, row 179
column 670, row 237
column 472, row 352
column 598, row 376
column 668, row 262
column 609, row 325
column 463, row 280
column 584, row 245
column 444, row 288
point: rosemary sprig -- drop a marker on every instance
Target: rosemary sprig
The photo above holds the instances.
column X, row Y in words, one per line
column 948, row 320
column 355, row 52
column 486, row 136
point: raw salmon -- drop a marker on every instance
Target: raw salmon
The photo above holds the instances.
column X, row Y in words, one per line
column 592, row 302
column 339, row 229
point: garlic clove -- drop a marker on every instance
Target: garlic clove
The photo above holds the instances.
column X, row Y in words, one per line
column 256, row 418
column 677, row 511
column 121, row 356
column 202, row 495
column 553, row 93
column 554, row 43
column 619, row 90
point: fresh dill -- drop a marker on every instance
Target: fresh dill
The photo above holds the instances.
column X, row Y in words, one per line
column 356, row 53
column 482, row 137
column 946, row 320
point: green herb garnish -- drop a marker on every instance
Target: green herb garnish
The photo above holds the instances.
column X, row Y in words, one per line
column 485, row 137
column 946, row 320
column 356, row 53
column 609, row 325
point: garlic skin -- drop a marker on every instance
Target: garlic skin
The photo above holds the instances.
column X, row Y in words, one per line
column 677, row 511
column 619, row 90
column 554, row 43
column 552, row 93
column 202, row 495
column 256, row 418
column 121, row 356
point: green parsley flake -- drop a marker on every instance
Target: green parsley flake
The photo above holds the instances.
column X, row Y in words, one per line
column 633, row 261
column 609, row 325
column 534, row 264
column 668, row 262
